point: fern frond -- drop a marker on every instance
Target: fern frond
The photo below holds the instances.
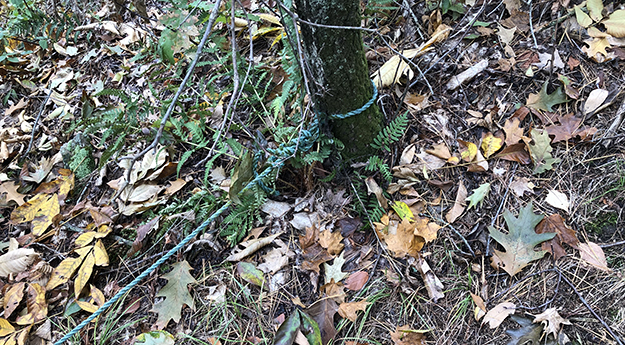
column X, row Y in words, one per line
column 391, row 133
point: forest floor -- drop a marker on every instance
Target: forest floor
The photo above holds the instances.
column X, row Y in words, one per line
column 493, row 213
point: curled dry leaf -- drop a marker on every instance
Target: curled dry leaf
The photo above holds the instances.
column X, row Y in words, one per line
column 593, row 254
column 564, row 234
column 552, row 321
column 373, row 187
column 432, row 284
column 558, row 200
column 500, row 312
column 405, row 336
column 348, row 310
column 459, row 204
column 595, row 99
column 16, row 261
column 480, row 307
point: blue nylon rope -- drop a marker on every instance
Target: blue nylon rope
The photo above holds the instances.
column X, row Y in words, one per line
column 302, row 143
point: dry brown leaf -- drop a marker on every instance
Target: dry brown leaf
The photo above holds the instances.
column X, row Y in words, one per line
column 373, row 187
column 402, row 240
column 10, row 189
column 520, row 185
column 593, row 254
column 552, row 321
column 252, row 246
column 480, row 307
column 405, row 336
column 459, row 204
column 514, row 133
column 500, row 312
column 440, row 150
column 332, row 241
column 356, row 280
column 348, row 310
column 516, row 153
column 432, row 284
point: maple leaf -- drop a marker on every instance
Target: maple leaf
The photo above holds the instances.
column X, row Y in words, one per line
column 545, row 101
column 401, row 240
column 520, row 240
column 176, row 294
column 540, row 152
column 334, row 271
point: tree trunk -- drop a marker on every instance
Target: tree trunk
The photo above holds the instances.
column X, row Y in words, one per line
column 340, row 75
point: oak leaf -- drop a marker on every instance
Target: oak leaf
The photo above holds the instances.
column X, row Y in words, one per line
column 552, row 321
column 334, row 271
column 544, row 100
column 478, row 195
column 515, row 153
column 10, row 188
column 332, row 241
column 564, row 234
column 176, row 294
column 520, row 240
column 405, row 336
column 540, row 152
column 513, row 131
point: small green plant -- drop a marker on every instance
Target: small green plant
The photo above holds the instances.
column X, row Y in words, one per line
column 446, row 6
column 391, row 133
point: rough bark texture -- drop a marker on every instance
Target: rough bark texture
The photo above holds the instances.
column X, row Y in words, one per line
column 339, row 71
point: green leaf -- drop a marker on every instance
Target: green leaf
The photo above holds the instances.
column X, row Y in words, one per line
column 540, row 151
column 250, row 273
column 176, row 294
column 615, row 24
column 545, row 101
column 520, row 240
column 242, row 174
column 582, row 17
column 595, row 7
column 478, row 195
column 155, row 338
column 310, row 328
column 286, row 333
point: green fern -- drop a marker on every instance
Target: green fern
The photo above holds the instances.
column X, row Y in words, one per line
column 242, row 216
column 376, row 163
column 391, row 133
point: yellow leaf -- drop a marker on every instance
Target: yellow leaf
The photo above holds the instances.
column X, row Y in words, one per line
column 491, row 144
column 5, row 327
column 270, row 18
column 86, row 237
column 84, row 273
column 86, row 306
column 83, row 251
column 101, row 257
column 392, row 71
column 402, row 210
column 36, row 305
column 615, row 24
column 468, row 150
column 595, row 7
column 63, row 272
column 596, row 49
column 97, row 295
column 66, row 178
column 44, row 218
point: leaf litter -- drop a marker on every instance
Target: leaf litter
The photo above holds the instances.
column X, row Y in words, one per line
column 498, row 145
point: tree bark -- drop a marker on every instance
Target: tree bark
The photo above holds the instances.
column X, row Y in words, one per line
column 338, row 67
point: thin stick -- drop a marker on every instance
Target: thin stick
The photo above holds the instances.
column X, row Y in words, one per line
column 32, row 133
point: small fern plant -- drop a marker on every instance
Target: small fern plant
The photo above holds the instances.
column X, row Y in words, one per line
column 391, row 133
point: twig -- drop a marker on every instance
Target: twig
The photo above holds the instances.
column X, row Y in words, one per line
column 532, row 26
column 172, row 105
column 618, row 119
column 32, row 133
column 583, row 300
column 609, row 245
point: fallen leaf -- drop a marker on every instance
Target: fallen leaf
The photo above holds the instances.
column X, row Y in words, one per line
column 332, row 241
column 491, row 144
column 5, row 327
column 520, row 240
column 432, row 284
column 468, row 150
column 500, row 312
column 459, row 204
column 12, row 298
column 63, row 272
column 334, row 271
column 405, row 336
column 593, row 254
column 514, row 133
column 250, row 273
column 252, row 246
column 595, row 7
column 520, row 185
column 35, row 304
column 552, row 321
column 529, row 333
column 615, row 24
column 582, row 18
column 564, row 234
column 594, row 100
column 372, row 187
column 323, row 312
column 402, row 210
column 10, row 189
column 16, row 261
column 356, row 280
column 348, row 310
column 516, row 153
column 176, row 294
column 480, row 307
column 478, row 164
column 558, row 200
column 40, row 210
column 478, row 195
column 540, row 152
column 545, row 101
column 440, row 150
column 402, row 241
